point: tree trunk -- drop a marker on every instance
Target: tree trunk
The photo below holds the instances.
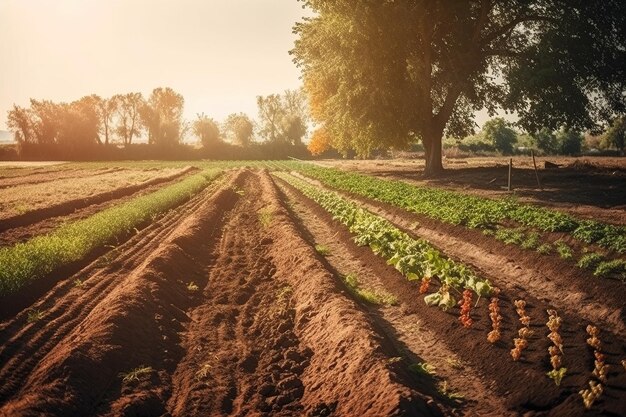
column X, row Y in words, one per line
column 432, row 148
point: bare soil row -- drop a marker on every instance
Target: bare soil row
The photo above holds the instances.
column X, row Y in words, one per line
column 438, row 338
column 209, row 312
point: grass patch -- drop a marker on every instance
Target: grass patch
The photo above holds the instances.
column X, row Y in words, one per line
column 28, row 261
column 373, row 297
column 322, row 250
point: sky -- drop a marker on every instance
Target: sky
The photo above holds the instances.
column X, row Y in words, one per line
column 219, row 54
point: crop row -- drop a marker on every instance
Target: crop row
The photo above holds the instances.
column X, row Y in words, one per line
column 28, row 261
column 492, row 216
column 416, row 259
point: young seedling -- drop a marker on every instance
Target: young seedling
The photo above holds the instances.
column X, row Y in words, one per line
column 192, row 287
column 520, row 343
column 592, row 394
column 136, row 374
column 78, row 282
column 556, row 352
column 466, row 306
column 600, row 369
column 494, row 314
column 34, row 315
column 322, row 249
column 422, row 368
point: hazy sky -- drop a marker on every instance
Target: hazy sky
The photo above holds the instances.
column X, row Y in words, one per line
column 219, row 54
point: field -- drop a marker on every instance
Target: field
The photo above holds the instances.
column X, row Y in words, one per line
column 293, row 288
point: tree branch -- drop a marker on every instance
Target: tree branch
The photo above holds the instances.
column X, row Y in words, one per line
column 485, row 8
column 509, row 27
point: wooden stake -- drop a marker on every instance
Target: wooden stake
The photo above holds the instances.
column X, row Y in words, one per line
column 510, row 168
column 536, row 172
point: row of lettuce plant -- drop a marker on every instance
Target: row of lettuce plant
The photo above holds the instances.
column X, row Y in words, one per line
column 490, row 215
column 26, row 262
column 415, row 259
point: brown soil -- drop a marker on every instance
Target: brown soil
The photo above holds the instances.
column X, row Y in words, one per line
column 38, row 177
column 48, row 224
column 592, row 187
column 268, row 332
column 67, row 207
column 522, row 387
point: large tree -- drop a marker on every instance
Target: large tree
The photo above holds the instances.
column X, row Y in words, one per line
column 383, row 74
column 283, row 118
column 207, row 130
column 240, row 129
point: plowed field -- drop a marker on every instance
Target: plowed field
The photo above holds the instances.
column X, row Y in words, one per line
column 251, row 299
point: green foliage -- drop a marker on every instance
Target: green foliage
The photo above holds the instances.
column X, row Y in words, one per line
column 544, row 249
column 557, row 375
column 570, row 142
column 615, row 267
column 531, row 241
column 422, row 368
column 31, row 260
column 34, row 315
column 590, row 260
column 563, row 249
column 498, row 132
column 546, row 141
column 413, row 258
column 616, row 135
column 471, row 211
column 322, row 250
column 510, row 236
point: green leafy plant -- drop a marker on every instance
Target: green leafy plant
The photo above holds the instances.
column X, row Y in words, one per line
column 192, row 287
column 563, row 249
column 544, row 249
column 136, row 374
column 590, row 260
column 266, row 215
column 422, row 368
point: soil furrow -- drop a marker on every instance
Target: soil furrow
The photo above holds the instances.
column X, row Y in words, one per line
column 564, row 286
column 23, row 345
column 410, row 334
column 523, row 386
column 135, row 321
column 46, row 225
column 67, row 207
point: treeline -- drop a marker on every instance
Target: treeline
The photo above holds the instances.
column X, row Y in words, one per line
column 498, row 136
column 129, row 126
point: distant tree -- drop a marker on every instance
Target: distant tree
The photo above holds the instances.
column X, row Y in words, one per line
column 46, row 120
column 129, row 124
column 570, row 142
column 79, row 125
column 107, row 108
column 20, row 120
column 162, row 115
column 546, row 141
column 240, row 128
column 206, row 130
column 293, row 129
column 498, row 132
column 283, row 118
column 383, row 73
column 616, row 135
column 271, row 113
column 320, row 142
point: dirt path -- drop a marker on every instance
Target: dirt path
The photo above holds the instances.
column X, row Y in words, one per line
column 222, row 309
column 511, row 380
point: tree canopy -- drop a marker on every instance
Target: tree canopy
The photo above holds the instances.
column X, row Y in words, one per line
column 384, row 74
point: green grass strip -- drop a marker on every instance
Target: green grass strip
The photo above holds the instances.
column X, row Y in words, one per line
column 26, row 262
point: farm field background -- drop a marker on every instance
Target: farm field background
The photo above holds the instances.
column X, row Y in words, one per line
column 299, row 288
